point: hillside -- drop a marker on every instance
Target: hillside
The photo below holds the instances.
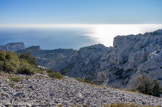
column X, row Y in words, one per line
column 23, row 82
column 116, row 66
column 42, row 90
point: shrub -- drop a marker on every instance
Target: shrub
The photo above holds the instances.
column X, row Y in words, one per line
column 1, row 66
column 2, row 55
column 155, row 86
column 9, row 61
column 11, row 56
column 54, row 74
column 148, row 86
column 30, row 59
column 160, row 90
column 83, row 80
column 9, row 68
column 27, row 69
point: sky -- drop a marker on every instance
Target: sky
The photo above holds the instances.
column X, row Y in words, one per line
column 80, row 11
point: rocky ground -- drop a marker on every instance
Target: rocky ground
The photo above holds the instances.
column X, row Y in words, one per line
column 42, row 90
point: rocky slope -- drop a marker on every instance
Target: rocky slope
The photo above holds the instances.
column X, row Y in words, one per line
column 41, row 90
column 118, row 66
column 48, row 58
column 12, row 46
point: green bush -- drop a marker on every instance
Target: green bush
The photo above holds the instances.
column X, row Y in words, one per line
column 11, row 56
column 9, row 68
column 27, row 69
column 160, row 90
column 2, row 55
column 155, row 86
column 11, row 62
column 83, row 80
column 148, row 86
column 30, row 59
column 54, row 74
column 1, row 66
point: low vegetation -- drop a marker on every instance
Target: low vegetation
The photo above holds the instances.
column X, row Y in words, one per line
column 13, row 63
column 27, row 69
column 148, row 86
column 27, row 57
column 126, row 105
column 54, row 74
column 83, row 80
column 114, row 105
column 14, row 78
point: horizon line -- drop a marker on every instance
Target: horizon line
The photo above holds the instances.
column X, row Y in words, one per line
column 60, row 25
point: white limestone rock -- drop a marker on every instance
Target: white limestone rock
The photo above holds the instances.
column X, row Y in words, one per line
column 116, row 66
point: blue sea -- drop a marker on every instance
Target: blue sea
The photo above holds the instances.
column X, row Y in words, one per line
column 69, row 36
column 47, row 38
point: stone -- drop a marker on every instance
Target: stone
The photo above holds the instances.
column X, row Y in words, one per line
column 20, row 95
column 53, row 93
column 79, row 95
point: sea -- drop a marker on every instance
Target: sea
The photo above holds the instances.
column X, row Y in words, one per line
column 70, row 36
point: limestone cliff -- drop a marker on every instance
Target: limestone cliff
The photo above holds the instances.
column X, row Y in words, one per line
column 117, row 66
column 12, row 46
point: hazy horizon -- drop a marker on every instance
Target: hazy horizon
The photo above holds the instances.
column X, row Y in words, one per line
column 76, row 23
column 70, row 35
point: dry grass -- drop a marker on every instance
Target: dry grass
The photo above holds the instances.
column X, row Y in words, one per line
column 111, row 105
column 131, row 91
column 102, row 86
column 74, row 106
column 60, row 105
column 0, row 73
column 15, row 78
column 39, row 77
column 126, row 105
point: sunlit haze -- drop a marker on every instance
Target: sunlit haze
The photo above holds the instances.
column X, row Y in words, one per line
column 99, row 33
column 76, row 23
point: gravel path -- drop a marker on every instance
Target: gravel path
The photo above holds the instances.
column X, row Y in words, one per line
column 41, row 90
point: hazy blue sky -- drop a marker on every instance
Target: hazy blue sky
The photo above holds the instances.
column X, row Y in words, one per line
column 80, row 11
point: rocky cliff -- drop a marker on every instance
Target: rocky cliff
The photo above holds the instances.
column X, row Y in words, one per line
column 48, row 58
column 12, row 46
column 117, row 66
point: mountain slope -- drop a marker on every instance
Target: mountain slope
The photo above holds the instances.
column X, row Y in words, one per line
column 42, row 90
column 117, row 66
